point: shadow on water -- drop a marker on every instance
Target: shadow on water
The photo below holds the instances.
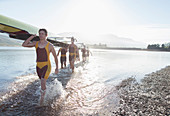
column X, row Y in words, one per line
column 25, row 102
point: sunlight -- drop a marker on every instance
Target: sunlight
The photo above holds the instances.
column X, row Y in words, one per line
column 91, row 16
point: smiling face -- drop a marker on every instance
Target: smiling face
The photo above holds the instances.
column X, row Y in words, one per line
column 42, row 34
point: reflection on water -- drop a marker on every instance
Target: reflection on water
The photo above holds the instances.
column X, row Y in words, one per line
column 86, row 95
column 88, row 91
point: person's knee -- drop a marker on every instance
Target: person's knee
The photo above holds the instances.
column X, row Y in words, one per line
column 43, row 88
column 43, row 79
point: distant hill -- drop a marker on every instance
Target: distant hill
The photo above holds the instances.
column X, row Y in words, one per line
column 109, row 39
column 6, row 41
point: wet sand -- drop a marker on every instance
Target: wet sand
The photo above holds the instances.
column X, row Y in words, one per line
column 24, row 94
column 24, row 101
column 23, row 97
column 151, row 97
column 72, row 96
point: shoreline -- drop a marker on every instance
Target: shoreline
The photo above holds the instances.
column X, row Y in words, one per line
column 131, row 49
column 107, row 48
column 149, row 97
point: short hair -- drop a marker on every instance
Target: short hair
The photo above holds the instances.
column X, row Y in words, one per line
column 43, row 30
column 72, row 38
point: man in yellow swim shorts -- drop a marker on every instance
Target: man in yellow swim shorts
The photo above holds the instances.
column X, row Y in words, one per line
column 43, row 50
column 72, row 53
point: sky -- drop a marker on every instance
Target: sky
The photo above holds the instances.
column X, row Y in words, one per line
column 141, row 20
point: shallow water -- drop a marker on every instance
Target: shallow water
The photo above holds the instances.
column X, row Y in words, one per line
column 90, row 90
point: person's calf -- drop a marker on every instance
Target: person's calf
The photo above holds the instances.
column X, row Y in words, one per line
column 43, row 84
column 65, row 65
column 61, row 65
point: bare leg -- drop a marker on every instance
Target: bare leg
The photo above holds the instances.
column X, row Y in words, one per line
column 43, row 90
column 61, row 65
column 72, row 66
column 83, row 59
column 65, row 64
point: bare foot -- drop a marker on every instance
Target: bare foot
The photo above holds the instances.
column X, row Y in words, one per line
column 42, row 97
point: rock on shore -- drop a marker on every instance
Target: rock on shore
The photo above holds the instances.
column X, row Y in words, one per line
column 149, row 97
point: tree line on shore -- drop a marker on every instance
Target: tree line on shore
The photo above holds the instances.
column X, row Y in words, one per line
column 161, row 47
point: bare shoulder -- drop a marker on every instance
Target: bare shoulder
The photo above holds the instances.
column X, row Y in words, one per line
column 51, row 46
column 75, row 45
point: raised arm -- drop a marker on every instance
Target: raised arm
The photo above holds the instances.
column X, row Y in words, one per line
column 58, row 52
column 55, row 58
column 28, row 43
